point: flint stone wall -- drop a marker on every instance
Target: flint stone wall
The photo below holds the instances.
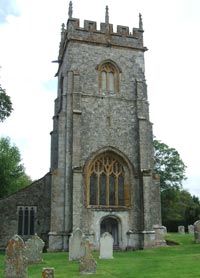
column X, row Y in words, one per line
column 36, row 194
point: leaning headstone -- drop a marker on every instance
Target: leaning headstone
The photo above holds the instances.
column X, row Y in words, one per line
column 197, row 231
column 76, row 245
column 181, row 229
column 106, row 246
column 48, row 272
column 15, row 260
column 87, row 264
column 191, row 229
column 34, row 248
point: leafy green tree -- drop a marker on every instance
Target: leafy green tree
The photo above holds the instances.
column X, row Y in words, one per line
column 169, row 205
column 12, row 171
column 168, row 165
column 178, row 206
column 191, row 207
column 5, row 105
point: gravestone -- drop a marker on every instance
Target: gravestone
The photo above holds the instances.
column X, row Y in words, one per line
column 106, row 246
column 191, row 229
column 48, row 272
column 15, row 260
column 34, row 248
column 87, row 264
column 76, row 245
column 197, row 231
column 160, row 232
column 165, row 229
column 181, row 229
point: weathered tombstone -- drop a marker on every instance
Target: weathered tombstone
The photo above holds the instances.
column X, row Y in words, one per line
column 87, row 264
column 197, row 231
column 191, row 229
column 15, row 260
column 160, row 232
column 76, row 245
column 48, row 272
column 165, row 229
column 106, row 246
column 34, row 248
column 181, row 229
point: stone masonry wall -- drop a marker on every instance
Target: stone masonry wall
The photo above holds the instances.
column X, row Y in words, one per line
column 37, row 194
column 106, row 120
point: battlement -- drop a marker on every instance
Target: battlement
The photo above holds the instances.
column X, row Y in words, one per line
column 91, row 26
column 89, row 34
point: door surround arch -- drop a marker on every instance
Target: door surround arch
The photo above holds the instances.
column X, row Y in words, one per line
column 112, row 225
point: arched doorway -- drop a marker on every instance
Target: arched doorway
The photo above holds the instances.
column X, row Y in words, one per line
column 111, row 226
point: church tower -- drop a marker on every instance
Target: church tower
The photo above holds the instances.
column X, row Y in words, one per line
column 101, row 150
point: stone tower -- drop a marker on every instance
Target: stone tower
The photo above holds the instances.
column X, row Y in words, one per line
column 101, row 150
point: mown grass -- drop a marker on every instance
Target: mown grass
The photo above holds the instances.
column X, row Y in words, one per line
column 172, row 261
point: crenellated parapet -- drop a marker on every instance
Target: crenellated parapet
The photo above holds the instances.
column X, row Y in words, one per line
column 123, row 37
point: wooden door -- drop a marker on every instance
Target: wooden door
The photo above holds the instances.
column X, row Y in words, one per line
column 110, row 225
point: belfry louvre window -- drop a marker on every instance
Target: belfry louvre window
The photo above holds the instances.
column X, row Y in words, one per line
column 106, row 186
column 26, row 220
column 108, row 78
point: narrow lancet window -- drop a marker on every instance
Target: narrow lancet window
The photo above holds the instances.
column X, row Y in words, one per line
column 111, row 82
column 26, row 220
column 104, row 81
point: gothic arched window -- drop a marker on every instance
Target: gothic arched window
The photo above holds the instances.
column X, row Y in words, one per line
column 108, row 77
column 107, row 182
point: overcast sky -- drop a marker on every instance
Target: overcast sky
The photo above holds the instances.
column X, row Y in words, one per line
column 30, row 36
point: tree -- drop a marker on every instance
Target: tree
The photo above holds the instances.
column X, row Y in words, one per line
column 190, row 207
column 178, row 206
column 5, row 105
column 12, row 171
column 169, row 165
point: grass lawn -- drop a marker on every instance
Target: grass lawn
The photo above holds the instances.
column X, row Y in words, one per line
column 176, row 261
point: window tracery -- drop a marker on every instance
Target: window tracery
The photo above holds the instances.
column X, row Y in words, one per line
column 107, row 183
